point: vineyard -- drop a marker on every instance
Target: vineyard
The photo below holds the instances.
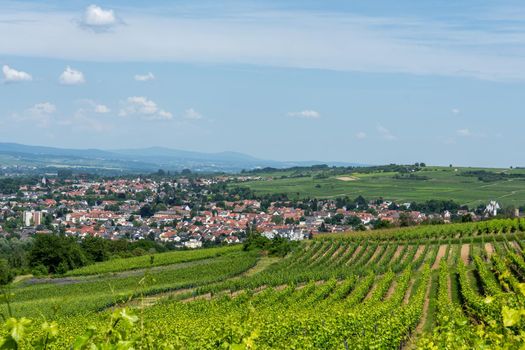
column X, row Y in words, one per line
column 450, row 286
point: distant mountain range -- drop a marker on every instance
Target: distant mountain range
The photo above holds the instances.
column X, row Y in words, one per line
column 138, row 160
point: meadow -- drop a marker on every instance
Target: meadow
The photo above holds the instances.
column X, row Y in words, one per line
column 443, row 183
column 140, row 262
column 456, row 286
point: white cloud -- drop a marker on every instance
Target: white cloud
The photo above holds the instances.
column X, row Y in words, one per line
column 101, row 109
column 71, row 76
column 191, row 113
column 464, row 132
column 144, row 108
column 13, row 75
column 80, row 121
column 165, row 115
column 94, row 106
column 306, row 114
column 43, row 108
column 145, row 77
column 361, row 135
column 357, row 42
column 385, row 133
column 455, row 111
column 98, row 19
column 39, row 115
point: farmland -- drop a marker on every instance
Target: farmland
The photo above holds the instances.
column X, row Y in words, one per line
column 458, row 285
column 442, row 183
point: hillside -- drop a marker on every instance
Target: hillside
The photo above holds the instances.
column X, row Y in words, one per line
column 387, row 289
column 470, row 186
column 135, row 160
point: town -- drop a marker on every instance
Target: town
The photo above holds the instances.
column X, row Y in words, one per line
column 201, row 211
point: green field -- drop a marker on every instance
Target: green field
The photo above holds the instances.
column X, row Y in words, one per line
column 141, row 262
column 443, row 183
column 457, row 286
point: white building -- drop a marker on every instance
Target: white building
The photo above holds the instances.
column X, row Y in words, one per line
column 32, row 218
column 492, row 208
column 193, row 243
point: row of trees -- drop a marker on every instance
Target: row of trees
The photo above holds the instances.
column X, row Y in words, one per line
column 57, row 254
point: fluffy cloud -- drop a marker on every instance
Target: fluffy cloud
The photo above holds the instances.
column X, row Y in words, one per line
column 191, row 113
column 422, row 45
column 385, row 133
column 306, row 114
column 464, row 132
column 101, row 109
column 142, row 107
column 144, row 77
column 43, row 108
column 39, row 115
column 12, row 75
column 98, row 19
column 361, row 135
column 71, row 76
column 165, row 115
column 455, row 111
column 94, row 106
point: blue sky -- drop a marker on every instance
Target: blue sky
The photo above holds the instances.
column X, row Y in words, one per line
column 356, row 81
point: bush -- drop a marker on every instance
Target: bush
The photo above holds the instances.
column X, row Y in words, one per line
column 278, row 246
column 57, row 253
column 39, row 270
column 6, row 273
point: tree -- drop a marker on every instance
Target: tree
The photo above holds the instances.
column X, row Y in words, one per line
column 146, row 211
column 151, row 236
column 405, row 220
column 361, row 202
column 54, row 251
column 289, row 221
column 277, row 219
column 379, row 224
column 6, row 274
column 352, row 220
column 95, row 248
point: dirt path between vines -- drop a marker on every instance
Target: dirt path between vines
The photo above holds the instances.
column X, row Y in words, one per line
column 371, row 290
column 391, row 290
column 336, row 254
column 340, row 259
column 406, row 298
column 441, row 253
column 378, row 250
column 449, row 288
column 398, row 252
column 424, row 314
column 412, row 341
column 354, row 254
column 419, row 251
column 465, row 251
column 489, row 248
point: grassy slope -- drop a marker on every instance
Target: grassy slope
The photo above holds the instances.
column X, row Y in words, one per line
column 444, row 183
column 145, row 261
column 83, row 295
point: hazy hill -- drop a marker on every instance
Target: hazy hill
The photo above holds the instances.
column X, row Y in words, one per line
column 137, row 160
